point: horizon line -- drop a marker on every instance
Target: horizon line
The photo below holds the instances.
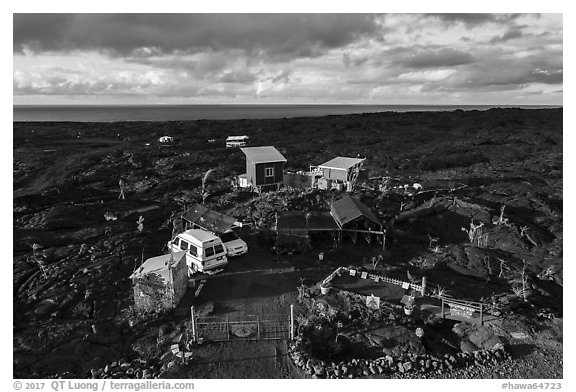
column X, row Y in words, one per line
column 284, row 104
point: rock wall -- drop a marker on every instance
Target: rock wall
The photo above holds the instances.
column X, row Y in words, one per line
column 395, row 366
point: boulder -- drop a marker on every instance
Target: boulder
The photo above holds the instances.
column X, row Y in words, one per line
column 467, row 347
column 45, row 308
column 319, row 370
column 407, row 366
column 483, row 337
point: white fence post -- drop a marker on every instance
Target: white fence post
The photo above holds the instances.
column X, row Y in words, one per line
column 423, row 292
column 291, row 321
column 192, row 316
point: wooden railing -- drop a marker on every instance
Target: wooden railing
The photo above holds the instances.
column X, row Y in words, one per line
column 465, row 309
column 375, row 277
column 459, row 309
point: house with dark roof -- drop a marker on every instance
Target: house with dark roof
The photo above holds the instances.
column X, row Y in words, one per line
column 264, row 168
column 339, row 173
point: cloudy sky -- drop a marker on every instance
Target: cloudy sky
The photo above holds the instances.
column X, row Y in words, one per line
column 287, row 58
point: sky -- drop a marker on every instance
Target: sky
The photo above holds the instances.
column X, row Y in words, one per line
column 288, row 58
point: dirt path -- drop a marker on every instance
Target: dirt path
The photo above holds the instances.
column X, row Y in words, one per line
column 244, row 359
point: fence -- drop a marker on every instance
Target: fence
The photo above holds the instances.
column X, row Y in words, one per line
column 376, row 278
column 457, row 309
column 243, row 327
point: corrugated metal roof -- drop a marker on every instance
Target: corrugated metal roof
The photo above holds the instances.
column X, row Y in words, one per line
column 263, row 154
column 159, row 265
column 343, row 163
column 209, row 220
column 349, row 208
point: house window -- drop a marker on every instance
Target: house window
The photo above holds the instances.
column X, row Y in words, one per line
column 269, row 172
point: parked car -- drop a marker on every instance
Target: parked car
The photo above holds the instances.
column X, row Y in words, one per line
column 235, row 246
column 204, row 250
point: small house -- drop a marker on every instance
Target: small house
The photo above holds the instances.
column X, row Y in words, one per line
column 237, row 141
column 339, row 173
column 160, row 283
column 264, row 168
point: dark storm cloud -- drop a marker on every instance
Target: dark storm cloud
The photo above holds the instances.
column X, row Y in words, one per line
column 472, row 20
column 296, row 35
column 431, row 58
column 507, row 36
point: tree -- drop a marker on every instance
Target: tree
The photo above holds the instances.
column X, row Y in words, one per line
column 39, row 260
column 140, row 223
column 121, row 186
column 204, row 192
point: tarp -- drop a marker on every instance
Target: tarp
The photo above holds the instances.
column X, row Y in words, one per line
column 209, row 220
column 341, row 212
column 348, row 209
column 295, row 221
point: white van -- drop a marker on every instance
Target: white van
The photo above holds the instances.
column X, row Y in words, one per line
column 235, row 246
column 204, row 250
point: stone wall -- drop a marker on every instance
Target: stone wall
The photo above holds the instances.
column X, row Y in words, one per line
column 395, row 366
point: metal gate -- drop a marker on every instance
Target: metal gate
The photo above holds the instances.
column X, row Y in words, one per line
column 243, row 327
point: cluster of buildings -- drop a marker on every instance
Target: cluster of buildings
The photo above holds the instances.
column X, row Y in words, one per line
column 207, row 239
column 265, row 172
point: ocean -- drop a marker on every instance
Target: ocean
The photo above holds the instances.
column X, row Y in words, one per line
column 112, row 113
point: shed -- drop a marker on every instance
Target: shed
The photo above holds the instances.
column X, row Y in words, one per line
column 341, row 170
column 264, row 168
column 295, row 228
column 160, row 283
column 347, row 215
column 203, row 218
column 349, row 211
column 353, row 217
